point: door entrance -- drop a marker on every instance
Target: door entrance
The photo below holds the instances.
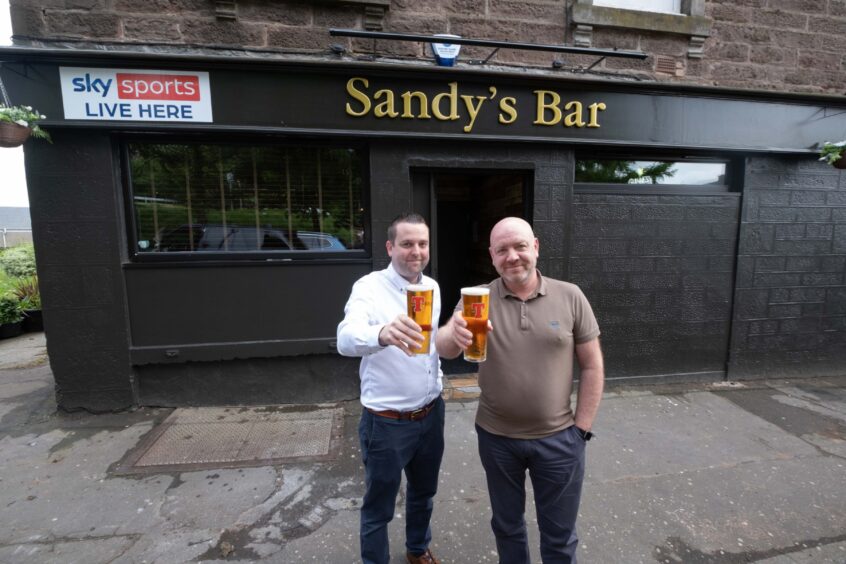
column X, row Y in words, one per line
column 461, row 208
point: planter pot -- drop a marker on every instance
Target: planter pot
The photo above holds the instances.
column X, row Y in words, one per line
column 12, row 134
column 840, row 163
column 11, row 329
column 33, row 321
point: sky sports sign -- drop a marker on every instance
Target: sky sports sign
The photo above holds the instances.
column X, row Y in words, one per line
column 135, row 95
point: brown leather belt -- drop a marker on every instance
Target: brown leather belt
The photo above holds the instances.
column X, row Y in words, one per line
column 415, row 415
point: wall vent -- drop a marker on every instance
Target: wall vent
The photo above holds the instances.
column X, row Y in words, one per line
column 665, row 64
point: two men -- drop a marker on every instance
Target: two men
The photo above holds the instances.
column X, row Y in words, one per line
column 402, row 423
column 524, row 420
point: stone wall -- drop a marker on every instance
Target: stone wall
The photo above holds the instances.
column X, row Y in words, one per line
column 785, row 45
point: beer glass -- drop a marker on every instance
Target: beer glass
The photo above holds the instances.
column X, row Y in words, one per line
column 474, row 305
column 420, row 299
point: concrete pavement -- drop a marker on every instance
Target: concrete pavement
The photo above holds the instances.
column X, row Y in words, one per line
column 699, row 473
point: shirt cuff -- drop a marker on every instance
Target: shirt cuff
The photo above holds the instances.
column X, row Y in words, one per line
column 373, row 336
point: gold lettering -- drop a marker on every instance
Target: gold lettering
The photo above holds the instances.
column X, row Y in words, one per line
column 385, row 108
column 421, row 99
column 595, row 108
column 574, row 118
column 506, row 107
column 358, row 95
column 453, row 103
column 543, row 106
column 472, row 110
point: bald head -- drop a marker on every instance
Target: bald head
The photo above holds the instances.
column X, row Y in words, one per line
column 511, row 225
column 514, row 253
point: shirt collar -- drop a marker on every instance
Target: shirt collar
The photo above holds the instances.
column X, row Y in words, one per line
column 504, row 292
column 398, row 281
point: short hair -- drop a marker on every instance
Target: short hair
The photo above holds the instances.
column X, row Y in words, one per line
column 410, row 217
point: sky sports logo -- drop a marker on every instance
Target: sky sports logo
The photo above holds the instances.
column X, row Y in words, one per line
column 142, row 86
column 129, row 95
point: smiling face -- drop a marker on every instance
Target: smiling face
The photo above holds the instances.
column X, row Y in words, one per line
column 409, row 251
column 514, row 252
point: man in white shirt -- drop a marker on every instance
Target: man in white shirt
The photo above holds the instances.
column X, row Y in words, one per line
column 402, row 423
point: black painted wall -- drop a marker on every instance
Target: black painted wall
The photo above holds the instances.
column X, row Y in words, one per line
column 790, row 312
column 76, row 230
column 658, row 271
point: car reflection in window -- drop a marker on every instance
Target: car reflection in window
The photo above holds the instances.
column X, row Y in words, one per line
column 236, row 238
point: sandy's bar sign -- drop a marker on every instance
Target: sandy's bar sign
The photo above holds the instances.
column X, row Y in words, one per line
column 135, row 95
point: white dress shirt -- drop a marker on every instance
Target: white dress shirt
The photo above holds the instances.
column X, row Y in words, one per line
column 390, row 379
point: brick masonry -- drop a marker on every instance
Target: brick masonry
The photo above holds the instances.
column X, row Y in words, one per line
column 790, row 298
column 658, row 271
column 786, row 45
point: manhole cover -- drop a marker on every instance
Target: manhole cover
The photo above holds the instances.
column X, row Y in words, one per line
column 219, row 437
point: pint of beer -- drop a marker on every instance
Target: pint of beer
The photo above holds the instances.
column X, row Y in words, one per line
column 420, row 299
column 475, row 312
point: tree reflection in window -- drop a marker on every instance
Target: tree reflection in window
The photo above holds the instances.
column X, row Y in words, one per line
column 237, row 198
column 612, row 171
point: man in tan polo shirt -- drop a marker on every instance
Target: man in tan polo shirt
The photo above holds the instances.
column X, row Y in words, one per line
column 525, row 420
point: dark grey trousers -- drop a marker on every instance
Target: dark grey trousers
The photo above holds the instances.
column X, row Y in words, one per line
column 556, row 467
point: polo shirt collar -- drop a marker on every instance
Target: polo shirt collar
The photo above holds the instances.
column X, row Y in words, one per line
column 398, row 281
column 539, row 291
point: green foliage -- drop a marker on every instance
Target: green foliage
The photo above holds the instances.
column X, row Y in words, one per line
column 18, row 261
column 24, row 116
column 622, row 172
column 10, row 311
column 832, row 152
column 277, row 187
column 27, row 293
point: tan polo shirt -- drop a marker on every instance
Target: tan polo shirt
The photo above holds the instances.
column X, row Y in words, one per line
column 527, row 378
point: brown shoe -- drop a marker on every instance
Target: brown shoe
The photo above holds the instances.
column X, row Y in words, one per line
column 425, row 558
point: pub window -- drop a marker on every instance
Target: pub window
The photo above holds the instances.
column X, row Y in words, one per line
column 619, row 174
column 239, row 199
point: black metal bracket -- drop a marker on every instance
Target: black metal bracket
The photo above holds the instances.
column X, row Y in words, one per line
column 488, row 43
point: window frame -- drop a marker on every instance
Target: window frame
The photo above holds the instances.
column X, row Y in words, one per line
column 733, row 185
column 240, row 257
column 691, row 22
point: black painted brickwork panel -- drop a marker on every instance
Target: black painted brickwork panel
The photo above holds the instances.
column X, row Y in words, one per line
column 659, row 271
column 790, row 301
column 75, row 217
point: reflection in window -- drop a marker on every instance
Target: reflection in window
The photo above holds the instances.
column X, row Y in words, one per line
column 236, row 198
column 608, row 171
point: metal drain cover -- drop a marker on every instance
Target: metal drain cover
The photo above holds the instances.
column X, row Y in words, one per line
column 224, row 437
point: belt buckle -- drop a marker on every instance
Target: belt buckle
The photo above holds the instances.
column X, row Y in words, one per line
column 412, row 416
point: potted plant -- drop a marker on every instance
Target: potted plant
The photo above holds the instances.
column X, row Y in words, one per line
column 29, row 300
column 10, row 317
column 832, row 153
column 18, row 123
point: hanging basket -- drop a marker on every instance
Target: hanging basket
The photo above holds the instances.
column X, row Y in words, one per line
column 840, row 163
column 12, row 134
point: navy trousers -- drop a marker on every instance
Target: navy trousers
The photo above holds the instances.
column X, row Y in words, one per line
column 556, row 467
column 389, row 446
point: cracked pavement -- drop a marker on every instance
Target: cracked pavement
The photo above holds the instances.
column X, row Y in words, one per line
column 696, row 473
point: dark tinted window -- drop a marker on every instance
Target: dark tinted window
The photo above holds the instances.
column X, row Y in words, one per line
column 238, row 199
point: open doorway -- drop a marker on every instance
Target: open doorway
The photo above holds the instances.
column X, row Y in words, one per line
column 462, row 208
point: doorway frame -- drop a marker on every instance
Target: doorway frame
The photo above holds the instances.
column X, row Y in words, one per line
column 419, row 175
column 552, row 167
